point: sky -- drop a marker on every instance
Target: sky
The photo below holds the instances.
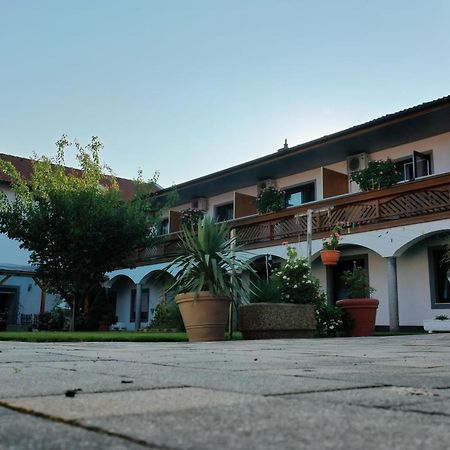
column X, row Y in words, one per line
column 189, row 87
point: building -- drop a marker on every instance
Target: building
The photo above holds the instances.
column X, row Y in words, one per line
column 20, row 296
column 399, row 233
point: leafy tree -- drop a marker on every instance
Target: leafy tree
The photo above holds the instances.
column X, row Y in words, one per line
column 75, row 223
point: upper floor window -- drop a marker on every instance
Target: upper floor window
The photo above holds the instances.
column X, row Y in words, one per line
column 298, row 195
column 164, row 227
column 415, row 166
column 224, row 212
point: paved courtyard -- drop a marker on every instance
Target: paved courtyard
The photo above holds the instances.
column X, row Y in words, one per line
column 359, row 393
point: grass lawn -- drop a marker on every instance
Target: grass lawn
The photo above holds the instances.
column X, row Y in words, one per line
column 90, row 336
column 95, row 336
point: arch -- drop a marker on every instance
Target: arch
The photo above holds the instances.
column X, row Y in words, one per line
column 117, row 278
column 265, row 263
column 401, row 250
column 156, row 275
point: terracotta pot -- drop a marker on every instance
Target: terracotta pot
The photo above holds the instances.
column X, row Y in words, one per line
column 362, row 312
column 330, row 257
column 277, row 321
column 204, row 315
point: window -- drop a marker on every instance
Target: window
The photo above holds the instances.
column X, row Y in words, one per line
column 144, row 305
column 415, row 166
column 164, row 227
column 298, row 195
column 439, row 278
column 224, row 212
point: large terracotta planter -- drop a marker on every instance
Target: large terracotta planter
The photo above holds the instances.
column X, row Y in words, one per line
column 204, row 315
column 362, row 312
column 277, row 321
column 330, row 257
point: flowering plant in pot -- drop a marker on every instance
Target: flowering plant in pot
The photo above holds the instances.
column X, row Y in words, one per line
column 329, row 254
column 191, row 216
column 378, row 174
column 284, row 306
column 360, row 307
column 270, row 199
column 207, row 278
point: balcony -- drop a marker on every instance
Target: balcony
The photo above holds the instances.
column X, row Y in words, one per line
column 423, row 200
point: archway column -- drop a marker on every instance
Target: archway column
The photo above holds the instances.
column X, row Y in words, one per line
column 138, row 306
column 394, row 323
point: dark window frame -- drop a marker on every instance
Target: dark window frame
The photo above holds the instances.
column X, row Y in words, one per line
column 432, row 270
column 297, row 188
column 412, row 159
column 223, row 205
column 163, row 227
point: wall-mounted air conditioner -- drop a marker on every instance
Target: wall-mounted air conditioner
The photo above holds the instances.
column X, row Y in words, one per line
column 357, row 162
column 266, row 183
column 200, row 203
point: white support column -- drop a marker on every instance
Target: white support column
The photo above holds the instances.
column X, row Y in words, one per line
column 138, row 306
column 394, row 324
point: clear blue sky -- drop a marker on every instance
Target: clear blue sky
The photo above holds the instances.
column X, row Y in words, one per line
column 188, row 87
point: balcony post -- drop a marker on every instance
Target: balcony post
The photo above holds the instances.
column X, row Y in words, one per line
column 138, row 306
column 394, row 324
column 309, row 231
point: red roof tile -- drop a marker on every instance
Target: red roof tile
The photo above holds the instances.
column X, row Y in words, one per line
column 25, row 167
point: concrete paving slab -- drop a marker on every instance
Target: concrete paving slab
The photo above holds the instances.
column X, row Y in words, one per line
column 284, row 424
column 25, row 432
column 23, row 380
column 145, row 376
column 289, row 394
column 130, row 402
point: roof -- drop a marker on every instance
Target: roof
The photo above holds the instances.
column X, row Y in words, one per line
column 25, row 167
column 408, row 125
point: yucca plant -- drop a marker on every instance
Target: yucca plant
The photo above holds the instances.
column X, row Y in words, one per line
column 210, row 261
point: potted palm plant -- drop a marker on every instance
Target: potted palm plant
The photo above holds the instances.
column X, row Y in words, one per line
column 361, row 309
column 330, row 254
column 207, row 278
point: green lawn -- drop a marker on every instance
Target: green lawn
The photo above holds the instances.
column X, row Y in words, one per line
column 90, row 336
column 96, row 336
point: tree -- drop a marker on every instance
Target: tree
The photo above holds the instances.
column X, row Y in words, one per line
column 75, row 223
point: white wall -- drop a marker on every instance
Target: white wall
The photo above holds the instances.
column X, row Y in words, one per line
column 414, row 289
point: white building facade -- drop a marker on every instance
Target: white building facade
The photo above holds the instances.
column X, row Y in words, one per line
column 398, row 234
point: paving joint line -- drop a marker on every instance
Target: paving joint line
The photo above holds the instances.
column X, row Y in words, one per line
column 397, row 409
column 59, row 394
column 319, row 391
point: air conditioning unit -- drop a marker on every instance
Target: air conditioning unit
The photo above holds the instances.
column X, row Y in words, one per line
column 200, row 203
column 263, row 184
column 358, row 162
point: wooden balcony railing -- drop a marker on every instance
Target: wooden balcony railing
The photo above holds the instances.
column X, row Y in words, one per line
column 418, row 201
